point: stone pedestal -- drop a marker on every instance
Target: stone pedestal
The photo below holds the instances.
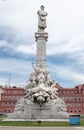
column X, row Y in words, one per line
column 33, row 112
column 41, row 39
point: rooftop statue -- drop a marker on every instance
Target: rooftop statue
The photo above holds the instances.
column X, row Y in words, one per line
column 42, row 19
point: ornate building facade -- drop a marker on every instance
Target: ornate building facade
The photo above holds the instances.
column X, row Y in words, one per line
column 74, row 98
column 9, row 97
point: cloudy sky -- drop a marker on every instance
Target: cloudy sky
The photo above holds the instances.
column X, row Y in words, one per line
column 65, row 46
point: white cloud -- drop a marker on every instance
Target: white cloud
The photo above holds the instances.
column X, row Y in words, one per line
column 67, row 73
column 14, row 66
column 71, row 75
column 3, row 43
column 19, row 70
column 73, row 46
column 27, row 49
column 3, row 81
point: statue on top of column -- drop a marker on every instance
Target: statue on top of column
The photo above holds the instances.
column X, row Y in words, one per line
column 41, row 19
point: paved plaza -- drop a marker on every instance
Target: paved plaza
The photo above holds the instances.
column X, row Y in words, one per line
column 40, row 128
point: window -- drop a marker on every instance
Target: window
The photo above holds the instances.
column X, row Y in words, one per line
column 79, row 105
column 68, row 92
column 75, row 99
column 69, row 105
column 75, row 105
column 71, row 92
column 9, row 91
column 61, row 92
column 75, row 92
column 5, row 102
column 5, row 110
column 9, row 111
column 9, row 97
column 79, row 98
column 70, row 98
column 67, row 98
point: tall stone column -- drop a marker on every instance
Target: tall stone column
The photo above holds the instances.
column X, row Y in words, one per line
column 41, row 38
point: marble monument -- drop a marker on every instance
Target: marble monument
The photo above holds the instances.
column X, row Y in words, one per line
column 40, row 101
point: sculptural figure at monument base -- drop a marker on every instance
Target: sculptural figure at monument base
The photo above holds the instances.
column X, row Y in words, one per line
column 40, row 85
